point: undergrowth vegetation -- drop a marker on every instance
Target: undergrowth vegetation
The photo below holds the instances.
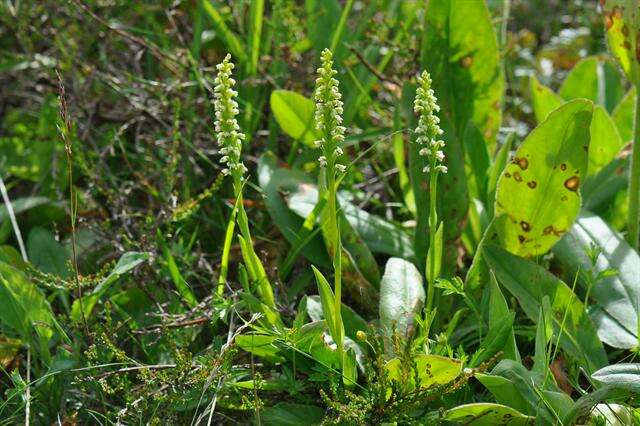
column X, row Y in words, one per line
column 319, row 212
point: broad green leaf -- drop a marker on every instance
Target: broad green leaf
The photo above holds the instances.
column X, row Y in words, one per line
column 327, row 299
column 504, row 390
column 530, row 283
column 464, row 62
column 487, row 414
column 527, row 391
column 47, row 254
column 432, row 370
column 261, row 345
column 24, row 309
column 617, row 295
column 623, row 115
column 543, row 99
column 291, row 414
column 622, row 27
column 538, row 192
column 401, row 295
column 606, row 142
column 294, row 114
column 380, row 235
column 622, row 376
column 595, row 78
column 276, row 181
column 350, row 318
column 126, row 263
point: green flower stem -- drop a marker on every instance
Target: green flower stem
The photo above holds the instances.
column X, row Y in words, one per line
column 433, row 227
column 332, row 205
column 633, row 216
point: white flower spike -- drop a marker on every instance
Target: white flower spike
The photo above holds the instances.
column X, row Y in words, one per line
column 428, row 129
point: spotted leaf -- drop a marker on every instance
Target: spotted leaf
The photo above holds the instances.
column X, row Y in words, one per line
column 538, row 192
column 622, row 25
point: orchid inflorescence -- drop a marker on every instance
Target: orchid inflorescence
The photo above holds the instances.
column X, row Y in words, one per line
column 226, row 126
column 428, row 129
column 328, row 115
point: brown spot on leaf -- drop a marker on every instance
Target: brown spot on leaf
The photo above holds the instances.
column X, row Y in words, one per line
column 572, row 183
column 586, row 148
column 625, row 30
column 466, row 62
column 525, row 226
column 563, row 167
column 507, row 175
column 517, row 177
column 523, row 163
column 521, row 238
column 548, row 230
column 564, row 198
column 532, row 184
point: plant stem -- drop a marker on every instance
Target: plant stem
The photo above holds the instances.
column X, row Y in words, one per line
column 433, row 227
column 634, row 182
column 337, row 254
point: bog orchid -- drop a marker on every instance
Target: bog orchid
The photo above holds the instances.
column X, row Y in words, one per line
column 227, row 130
column 328, row 116
column 428, row 129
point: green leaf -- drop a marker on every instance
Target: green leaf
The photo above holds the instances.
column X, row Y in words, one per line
column 529, row 392
column 380, row 235
column 261, row 345
column 477, row 159
column 530, row 283
column 291, row 414
column 327, row 299
column 498, row 309
column 431, row 370
column 294, row 114
column 496, row 339
column 24, row 309
column 595, row 78
column 623, row 115
column 401, row 295
column 538, row 191
column 126, row 263
column 622, row 376
column 275, row 181
column 616, row 311
column 622, row 26
column 606, row 142
column 543, row 99
column 47, row 254
column 486, row 414
column 464, row 62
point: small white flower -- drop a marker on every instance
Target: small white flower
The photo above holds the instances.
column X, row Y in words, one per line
column 341, row 168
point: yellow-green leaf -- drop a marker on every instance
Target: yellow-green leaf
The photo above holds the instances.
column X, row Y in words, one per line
column 538, row 192
column 294, row 114
column 622, row 26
